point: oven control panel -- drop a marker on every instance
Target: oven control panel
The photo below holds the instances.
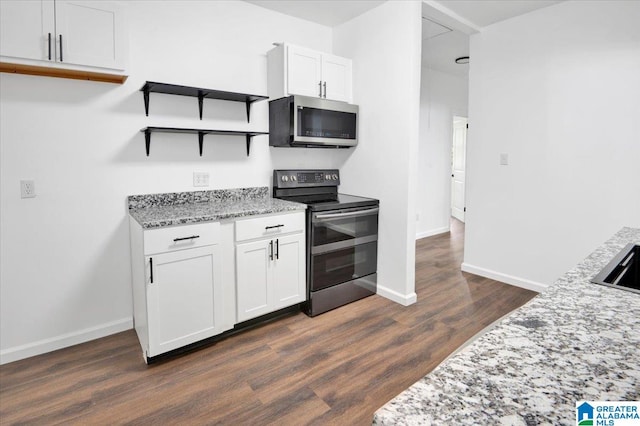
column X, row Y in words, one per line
column 305, row 178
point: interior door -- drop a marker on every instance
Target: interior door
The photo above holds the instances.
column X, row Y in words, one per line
column 458, row 165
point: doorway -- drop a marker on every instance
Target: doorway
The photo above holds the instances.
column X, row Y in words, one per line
column 458, row 167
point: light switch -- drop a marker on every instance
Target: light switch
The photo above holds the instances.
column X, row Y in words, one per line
column 504, row 159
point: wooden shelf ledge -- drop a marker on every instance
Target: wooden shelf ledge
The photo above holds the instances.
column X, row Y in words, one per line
column 62, row 73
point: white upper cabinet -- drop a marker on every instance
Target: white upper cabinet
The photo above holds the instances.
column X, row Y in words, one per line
column 27, row 29
column 294, row 70
column 86, row 33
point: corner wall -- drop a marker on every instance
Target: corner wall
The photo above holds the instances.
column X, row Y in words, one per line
column 558, row 91
column 385, row 45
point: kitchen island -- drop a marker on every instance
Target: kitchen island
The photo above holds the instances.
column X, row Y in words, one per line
column 574, row 341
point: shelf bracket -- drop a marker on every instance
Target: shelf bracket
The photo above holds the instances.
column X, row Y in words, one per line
column 200, row 99
column 248, row 144
column 146, row 101
column 200, row 141
column 147, row 140
column 248, row 103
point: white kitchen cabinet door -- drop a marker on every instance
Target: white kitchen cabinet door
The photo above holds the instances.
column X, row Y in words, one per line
column 289, row 284
column 86, row 33
column 184, row 300
column 336, row 77
column 304, row 72
column 90, row 33
column 25, row 28
column 253, row 279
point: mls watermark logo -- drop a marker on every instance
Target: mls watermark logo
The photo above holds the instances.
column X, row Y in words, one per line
column 607, row 413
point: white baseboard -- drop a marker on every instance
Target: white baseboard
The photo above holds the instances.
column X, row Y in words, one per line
column 65, row 340
column 405, row 300
column 508, row 279
column 432, row 232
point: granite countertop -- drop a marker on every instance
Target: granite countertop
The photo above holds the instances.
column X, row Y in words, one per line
column 177, row 208
column 574, row 341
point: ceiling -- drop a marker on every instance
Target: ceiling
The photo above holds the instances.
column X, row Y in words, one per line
column 445, row 24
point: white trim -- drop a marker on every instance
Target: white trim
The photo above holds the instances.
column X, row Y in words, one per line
column 432, row 232
column 508, row 279
column 65, row 340
column 394, row 296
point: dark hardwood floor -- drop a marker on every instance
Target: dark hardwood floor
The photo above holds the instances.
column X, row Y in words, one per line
column 337, row 368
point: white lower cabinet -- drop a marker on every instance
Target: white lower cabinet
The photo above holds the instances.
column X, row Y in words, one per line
column 270, row 271
column 178, row 290
column 189, row 283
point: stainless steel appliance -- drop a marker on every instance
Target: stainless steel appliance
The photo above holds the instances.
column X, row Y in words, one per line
column 623, row 271
column 300, row 121
column 342, row 238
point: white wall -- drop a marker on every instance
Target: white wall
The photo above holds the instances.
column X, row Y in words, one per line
column 65, row 270
column 559, row 91
column 385, row 46
column 442, row 96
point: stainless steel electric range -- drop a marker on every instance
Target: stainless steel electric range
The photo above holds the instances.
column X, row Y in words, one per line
column 342, row 238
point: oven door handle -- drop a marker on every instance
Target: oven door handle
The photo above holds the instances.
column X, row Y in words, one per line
column 347, row 214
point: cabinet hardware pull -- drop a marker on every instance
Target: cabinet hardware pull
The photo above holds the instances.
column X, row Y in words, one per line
column 325, row 89
column 151, row 268
column 271, row 250
column 186, row 238
column 273, row 226
column 277, row 249
column 49, row 45
column 61, row 60
column 320, row 87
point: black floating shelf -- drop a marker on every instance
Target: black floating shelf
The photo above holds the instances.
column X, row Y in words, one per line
column 200, row 93
column 200, row 132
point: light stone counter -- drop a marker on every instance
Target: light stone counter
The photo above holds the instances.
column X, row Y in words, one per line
column 574, row 341
column 177, row 208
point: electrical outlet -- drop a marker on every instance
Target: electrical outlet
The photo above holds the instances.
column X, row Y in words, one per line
column 27, row 189
column 200, row 179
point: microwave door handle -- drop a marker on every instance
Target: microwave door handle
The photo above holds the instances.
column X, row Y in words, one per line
column 347, row 214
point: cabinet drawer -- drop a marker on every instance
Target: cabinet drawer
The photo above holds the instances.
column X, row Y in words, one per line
column 181, row 237
column 265, row 226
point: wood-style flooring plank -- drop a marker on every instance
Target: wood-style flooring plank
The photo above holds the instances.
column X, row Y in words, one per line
column 334, row 369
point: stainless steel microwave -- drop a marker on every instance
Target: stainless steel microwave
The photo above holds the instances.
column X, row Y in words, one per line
column 300, row 121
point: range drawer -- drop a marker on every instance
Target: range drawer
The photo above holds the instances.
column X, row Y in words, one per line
column 181, row 237
column 266, row 226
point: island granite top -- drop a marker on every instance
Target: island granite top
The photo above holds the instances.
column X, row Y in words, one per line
column 178, row 208
column 574, row 341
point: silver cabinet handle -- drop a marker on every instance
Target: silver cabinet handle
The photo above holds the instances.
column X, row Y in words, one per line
column 320, row 87
column 325, row 89
column 271, row 250
column 348, row 214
